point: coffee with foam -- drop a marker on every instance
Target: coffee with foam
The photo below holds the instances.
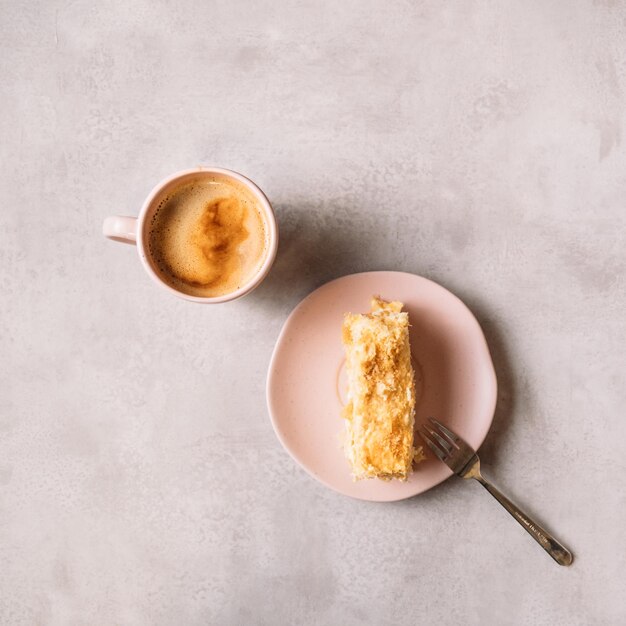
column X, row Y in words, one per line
column 208, row 237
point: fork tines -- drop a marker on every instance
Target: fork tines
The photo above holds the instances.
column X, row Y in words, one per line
column 437, row 439
column 443, row 442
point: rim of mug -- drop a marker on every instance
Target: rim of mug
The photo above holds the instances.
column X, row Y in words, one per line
column 270, row 220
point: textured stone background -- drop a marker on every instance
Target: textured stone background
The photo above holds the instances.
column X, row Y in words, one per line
column 480, row 144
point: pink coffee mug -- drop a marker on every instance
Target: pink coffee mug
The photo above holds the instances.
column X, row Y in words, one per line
column 135, row 229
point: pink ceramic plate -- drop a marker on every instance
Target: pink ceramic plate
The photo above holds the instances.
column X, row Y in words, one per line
column 455, row 379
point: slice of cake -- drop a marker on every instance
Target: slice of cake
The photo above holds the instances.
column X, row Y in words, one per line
column 381, row 392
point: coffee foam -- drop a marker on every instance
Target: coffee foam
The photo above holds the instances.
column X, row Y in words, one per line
column 208, row 238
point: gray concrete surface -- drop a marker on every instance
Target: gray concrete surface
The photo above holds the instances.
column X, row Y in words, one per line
column 480, row 144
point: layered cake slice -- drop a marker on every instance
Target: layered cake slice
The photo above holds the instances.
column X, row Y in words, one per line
column 381, row 392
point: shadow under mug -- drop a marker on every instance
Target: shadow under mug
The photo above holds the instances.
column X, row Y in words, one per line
column 134, row 230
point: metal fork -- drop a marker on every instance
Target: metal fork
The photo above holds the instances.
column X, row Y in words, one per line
column 462, row 459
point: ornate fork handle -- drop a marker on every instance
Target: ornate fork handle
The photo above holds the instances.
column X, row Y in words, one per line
column 553, row 547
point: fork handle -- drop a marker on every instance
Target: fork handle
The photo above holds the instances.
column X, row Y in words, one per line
column 553, row 547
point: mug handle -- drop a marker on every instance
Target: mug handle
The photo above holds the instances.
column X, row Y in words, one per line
column 120, row 228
